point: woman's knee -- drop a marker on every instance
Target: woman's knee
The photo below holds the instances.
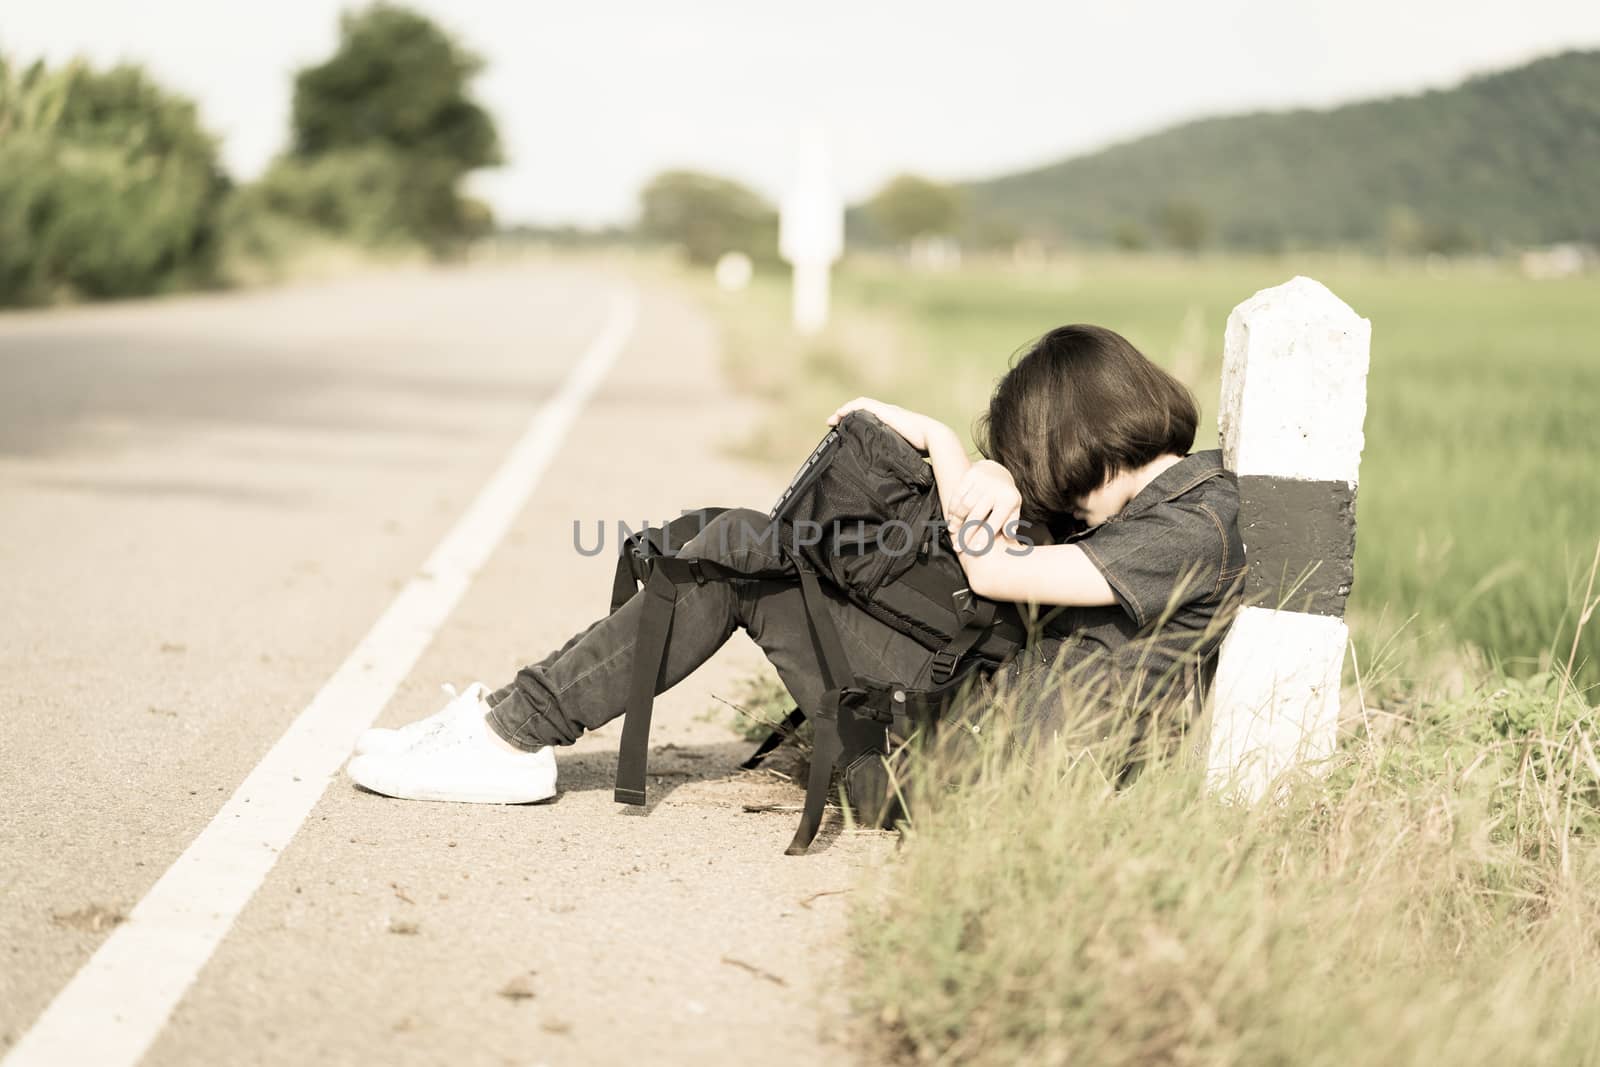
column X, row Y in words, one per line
column 738, row 535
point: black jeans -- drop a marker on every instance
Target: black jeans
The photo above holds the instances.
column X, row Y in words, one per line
column 584, row 684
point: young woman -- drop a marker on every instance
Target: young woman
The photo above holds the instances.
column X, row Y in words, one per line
column 1084, row 438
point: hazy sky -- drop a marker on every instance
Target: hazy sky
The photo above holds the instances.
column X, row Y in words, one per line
column 592, row 98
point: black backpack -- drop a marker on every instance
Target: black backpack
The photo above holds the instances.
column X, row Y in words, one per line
column 862, row 514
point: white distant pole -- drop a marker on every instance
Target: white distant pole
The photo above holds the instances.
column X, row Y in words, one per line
column 811, row 284
column 1294, row 396
column 811, row 235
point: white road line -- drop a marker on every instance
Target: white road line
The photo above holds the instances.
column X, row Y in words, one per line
column 118, row 1002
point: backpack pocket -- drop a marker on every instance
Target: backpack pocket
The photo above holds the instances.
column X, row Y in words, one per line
column 872, row 758
column 879, row 725
column 861, row 517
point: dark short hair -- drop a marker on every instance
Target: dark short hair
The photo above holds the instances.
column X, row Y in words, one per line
column 1079, row 406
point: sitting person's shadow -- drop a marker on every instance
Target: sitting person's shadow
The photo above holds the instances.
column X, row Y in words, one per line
column 775, row 788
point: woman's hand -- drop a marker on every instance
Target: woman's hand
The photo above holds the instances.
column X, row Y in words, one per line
column 908, row 424
column 986, row 495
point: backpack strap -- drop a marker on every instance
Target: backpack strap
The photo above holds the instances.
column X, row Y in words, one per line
column 825, row 749
column 650, row 645
column 826, row 745
column 631, row 570
column 979, row 616
column 650, row 543
column 664, row 574
column 1008, row 622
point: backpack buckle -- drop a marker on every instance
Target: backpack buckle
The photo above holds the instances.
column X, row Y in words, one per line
column 944, row 665
column 966, row 604
column 639, row 559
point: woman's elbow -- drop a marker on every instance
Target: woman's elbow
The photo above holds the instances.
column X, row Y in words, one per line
column 981, row 579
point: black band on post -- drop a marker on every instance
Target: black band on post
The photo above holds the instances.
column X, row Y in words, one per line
column 1300, row 541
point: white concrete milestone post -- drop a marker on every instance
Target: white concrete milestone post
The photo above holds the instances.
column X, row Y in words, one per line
column 811, row 235
column 1294, row 396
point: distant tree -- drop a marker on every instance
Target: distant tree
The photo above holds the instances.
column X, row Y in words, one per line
column 1450, row 238
column 1504, row 159
column 398, row 84
column 706, row 215
column 1130, row 236
column 358, row 194
column 1403, row 230
column 1256, row 235
column 909, row 207
column 1184, row 224
column 994, row 233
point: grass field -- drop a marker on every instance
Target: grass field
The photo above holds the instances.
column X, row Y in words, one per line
column 1434, row 897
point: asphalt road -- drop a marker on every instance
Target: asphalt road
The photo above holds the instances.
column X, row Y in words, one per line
column 205, row 503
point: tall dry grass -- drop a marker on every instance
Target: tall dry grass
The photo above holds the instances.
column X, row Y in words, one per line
column 1429, row 895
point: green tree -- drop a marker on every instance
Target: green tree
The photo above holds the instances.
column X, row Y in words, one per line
column 1403, row 230
column 706, row 215
column 108, row 185
column 994, row 234
column 1130, row 236
column 1184, row 224
column 355, row 193
column 397, row 85
column 908, row 207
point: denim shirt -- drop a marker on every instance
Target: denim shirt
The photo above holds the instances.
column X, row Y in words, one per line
column 1175, row 562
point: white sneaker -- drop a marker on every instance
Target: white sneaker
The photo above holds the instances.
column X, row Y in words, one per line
column 380, row 739
column 459, row 762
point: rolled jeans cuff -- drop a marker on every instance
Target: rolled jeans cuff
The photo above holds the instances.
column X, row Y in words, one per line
column 514, row 718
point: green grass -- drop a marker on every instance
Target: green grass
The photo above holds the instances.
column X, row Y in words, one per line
column 1431, row 897
column 757, row 708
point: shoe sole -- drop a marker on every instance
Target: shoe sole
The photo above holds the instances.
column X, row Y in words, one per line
column 531, row 797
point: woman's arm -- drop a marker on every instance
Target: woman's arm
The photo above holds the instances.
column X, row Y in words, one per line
column 1043, row 574
column 1005, row 569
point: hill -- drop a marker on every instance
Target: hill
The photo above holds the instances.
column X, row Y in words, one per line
column 1502, row 159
